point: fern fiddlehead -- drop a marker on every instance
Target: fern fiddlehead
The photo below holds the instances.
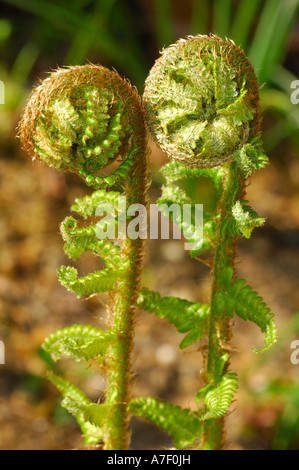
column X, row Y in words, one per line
column 89, row 121
column 202, row 107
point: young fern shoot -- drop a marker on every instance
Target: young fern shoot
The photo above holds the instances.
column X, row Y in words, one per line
column 202, row 107
column 89, row 121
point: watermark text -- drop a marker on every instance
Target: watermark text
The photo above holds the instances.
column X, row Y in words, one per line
column 2, row 352
column 119, row 222
column 295, row 354
column 295, row 93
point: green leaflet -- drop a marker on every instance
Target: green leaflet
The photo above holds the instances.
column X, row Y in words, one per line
column 78, row 240
column 190, row 226
column 78, row 342
column 92, row 413
column 117, row 177
column 101, row 281
column 88, row 205
column 246, row 218
column 217, row 397
column 238, row 112
column 175, row 171
column 241, row 220
column 183, row 425
column 70, row 392
column 184, row 315
column 67, row 389
column 251, row 157
column 172, row 194
column 248, row 305
column 225, row 86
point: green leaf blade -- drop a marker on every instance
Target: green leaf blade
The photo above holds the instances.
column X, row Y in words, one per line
column 183, row 425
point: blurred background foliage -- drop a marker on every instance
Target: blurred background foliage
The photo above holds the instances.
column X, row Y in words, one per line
column 39, row 35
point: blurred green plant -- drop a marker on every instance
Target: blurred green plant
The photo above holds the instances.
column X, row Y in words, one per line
column 279, row 394
column 286, row 434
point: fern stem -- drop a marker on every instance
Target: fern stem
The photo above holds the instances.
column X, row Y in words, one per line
column 219, row 321
column 202, row 105
column 82, row 119
column 118, row 358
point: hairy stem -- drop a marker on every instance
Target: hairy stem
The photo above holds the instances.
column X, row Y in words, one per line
column 219, row 322
column 119, row 355
column 89, row 121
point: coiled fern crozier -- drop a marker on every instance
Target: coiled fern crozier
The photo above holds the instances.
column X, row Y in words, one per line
column 202, row 107
column 201, row 104
column 88, row 120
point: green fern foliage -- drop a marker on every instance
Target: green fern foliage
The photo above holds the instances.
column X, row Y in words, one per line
column 246, row 218
column 237, row 113
column 78, row 342
column 200, row 240
column 251, row 157
column 67, row 389
column 183, row 425
column 175, row 171
column 88, row 205
column 241, row 221
column 93, row 413
column 78, row 240
column 184, row 315
column 202, row 105
column 101, row 281
column 241, row 299
column 218, row 397
column 89, row 121
column 72, row 394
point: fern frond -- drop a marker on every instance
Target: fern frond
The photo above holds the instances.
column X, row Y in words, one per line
column 88, row 205
column 92, row 413
column 225, row 88
column 238, row 112
column 271, row 336
column 246, row 218
column 218, row 397
column 209, row 233
column 248, row 305
column 184, row 315
column 183, row 425
column 78, row 342
column 67, row 389
column 175, row 171
column 101, row 281
column 251, row 157
column 78, row 240
column 118, row 176
column 172, row 194
column 241, row 221
column 92, row 434
column 200, row 240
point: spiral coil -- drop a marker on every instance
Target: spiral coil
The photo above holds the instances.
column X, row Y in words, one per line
column 202, row 101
